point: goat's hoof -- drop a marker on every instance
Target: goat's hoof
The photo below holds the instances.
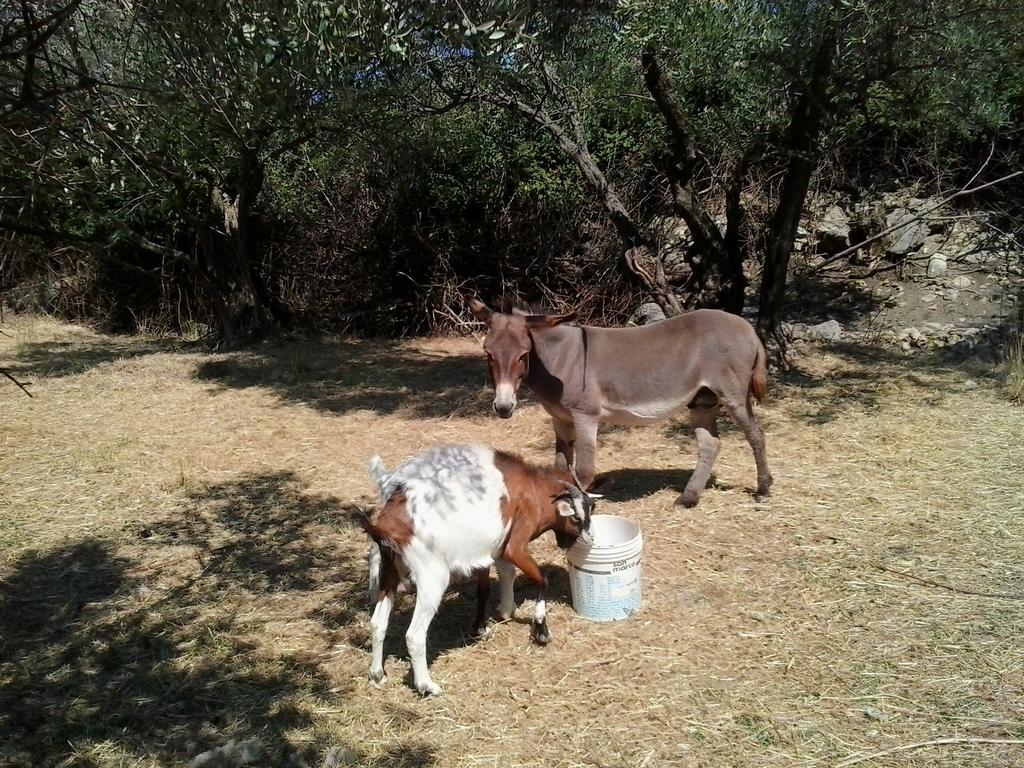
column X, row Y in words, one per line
column 480, row 634
column 429, row 688
column 688, row 499
column 378, row 678
column 540, row 634
column 506, row 615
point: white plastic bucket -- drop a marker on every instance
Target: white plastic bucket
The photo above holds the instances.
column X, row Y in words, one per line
column 605, row 576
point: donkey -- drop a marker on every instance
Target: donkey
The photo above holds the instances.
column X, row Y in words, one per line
column 701, row 360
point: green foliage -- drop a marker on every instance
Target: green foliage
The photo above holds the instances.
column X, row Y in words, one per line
column 371, row 120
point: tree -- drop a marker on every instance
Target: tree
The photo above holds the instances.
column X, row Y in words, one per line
column 189, row 103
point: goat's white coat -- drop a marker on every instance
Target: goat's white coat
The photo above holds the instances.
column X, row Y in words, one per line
column 453, row 498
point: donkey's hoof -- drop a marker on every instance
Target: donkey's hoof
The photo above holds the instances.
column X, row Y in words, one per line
column 377, row 678
column 688, row 499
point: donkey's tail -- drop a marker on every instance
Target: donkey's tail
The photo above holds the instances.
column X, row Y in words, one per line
column 759, row 377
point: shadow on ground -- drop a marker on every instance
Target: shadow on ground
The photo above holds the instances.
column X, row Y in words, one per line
column 350, row 375
column 71, row 357
column 870, row 376
column 332, row 375
column 164, row 646
column 814, row 298
column 630, row 484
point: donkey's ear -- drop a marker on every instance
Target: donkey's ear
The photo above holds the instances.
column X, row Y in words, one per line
column 480, row 310
column 550, row 321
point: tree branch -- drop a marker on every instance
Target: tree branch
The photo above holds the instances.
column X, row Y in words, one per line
column 678, row 127
column 23, row 385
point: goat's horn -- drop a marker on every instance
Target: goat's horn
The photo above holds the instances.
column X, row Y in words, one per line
column 576, row 492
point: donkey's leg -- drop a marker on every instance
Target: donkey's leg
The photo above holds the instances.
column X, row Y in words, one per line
column 743, row 414
column 705, row 425
column 565, row 442
column 586, row 448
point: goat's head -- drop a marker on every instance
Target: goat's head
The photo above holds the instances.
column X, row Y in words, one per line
column 509, row 344
column 575, row 509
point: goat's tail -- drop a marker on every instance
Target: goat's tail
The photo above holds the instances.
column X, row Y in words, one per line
column 759, row 377
column 377, row 471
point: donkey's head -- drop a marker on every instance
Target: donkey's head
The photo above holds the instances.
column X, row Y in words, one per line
column 508, row 345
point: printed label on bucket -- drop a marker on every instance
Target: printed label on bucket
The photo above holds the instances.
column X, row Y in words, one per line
column 608, row 594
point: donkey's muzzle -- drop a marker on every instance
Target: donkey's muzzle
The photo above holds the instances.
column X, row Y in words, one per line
column 504, row 409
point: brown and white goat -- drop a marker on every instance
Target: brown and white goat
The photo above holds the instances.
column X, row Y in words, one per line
column 458, row 509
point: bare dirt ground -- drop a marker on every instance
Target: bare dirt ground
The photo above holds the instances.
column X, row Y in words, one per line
column 179, row 567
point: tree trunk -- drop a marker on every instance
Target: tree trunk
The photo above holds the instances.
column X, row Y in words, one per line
column 245, row 308
column 806, row 124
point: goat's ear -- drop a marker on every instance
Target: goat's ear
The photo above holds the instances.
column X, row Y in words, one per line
column 565, row 508
column 549, row 321
column 480, row 310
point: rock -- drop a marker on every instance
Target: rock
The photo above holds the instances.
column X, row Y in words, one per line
column 338, row 756
column 234, row 753
column 833, row 231
column 951, row 295
column 830, row 330
column 873, row 713
column 928, row 298
column 937, row 265
column 919, row 204
column 907, row 239
column 934, row 243
column 141, row 592
column 647, row 313
column 961, row 282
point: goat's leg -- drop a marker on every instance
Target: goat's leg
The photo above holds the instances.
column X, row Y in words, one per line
column 483, row 591
column 586, row 448
column 430, row 587
column 743, row 414
column 705, row 425
column 388, row 587
column 521, row 558
column 506, row 582
column 565, row 442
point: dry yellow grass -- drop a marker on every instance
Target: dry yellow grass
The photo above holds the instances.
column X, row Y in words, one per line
column 179, row 567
